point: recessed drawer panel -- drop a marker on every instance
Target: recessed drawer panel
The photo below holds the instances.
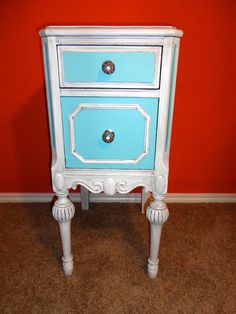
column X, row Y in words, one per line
column 116, row 67
column 106, row 132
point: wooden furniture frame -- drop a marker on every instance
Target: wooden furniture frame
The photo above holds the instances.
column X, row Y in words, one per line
column 109, row 175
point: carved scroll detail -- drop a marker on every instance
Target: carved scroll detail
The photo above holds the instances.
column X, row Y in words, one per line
column 94, row 187
column 112, row 185
column 125, row 187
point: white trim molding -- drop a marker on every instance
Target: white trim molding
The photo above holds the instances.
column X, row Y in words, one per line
column 121, row 198
column 137, row 31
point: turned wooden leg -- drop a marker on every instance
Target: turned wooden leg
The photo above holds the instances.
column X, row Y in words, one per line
column 157, row 214
column 84, row 194
column 63, row 211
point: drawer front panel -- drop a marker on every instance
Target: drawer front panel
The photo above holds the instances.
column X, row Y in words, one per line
column 133, row 121
column 133, row 67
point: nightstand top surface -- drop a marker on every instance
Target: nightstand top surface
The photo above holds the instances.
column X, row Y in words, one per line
column 154, row 31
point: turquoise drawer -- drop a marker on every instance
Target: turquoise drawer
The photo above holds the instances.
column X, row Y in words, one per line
column 133, row 121
column 130, row 67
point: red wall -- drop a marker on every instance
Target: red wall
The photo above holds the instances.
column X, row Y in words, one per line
column 204, row 129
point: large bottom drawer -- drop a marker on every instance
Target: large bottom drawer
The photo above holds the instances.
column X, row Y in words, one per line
column 109, row 132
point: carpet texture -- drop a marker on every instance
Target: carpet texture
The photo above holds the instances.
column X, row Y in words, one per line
column 110, row 244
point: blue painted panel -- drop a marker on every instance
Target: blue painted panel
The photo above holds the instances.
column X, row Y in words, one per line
column 93, row 122
column 130, row 67
column 49, row 97
column 128, row 125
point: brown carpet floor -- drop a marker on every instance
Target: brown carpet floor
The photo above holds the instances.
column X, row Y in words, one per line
column 110, row 245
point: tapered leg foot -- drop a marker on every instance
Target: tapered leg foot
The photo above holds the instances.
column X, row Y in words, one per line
column 68, row 266
column 63, row 211
column 152, row 269
column 157, row 214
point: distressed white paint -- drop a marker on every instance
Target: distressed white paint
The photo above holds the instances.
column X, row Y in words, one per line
column 110, row 92
column 113, row 31
column 63, row 211
column 113, row 181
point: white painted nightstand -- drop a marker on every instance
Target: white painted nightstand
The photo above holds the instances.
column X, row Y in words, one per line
column 110, row 95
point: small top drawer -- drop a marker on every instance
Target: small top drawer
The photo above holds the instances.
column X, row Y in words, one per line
column 109, row 67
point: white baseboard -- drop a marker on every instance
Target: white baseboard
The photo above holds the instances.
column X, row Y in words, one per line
column 126, row 198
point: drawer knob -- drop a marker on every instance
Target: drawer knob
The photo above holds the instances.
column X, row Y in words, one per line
column 108, row 67
column 108, row 136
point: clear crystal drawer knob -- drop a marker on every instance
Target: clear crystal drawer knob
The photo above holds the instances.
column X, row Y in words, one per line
column 108, row 67
column 108, row 136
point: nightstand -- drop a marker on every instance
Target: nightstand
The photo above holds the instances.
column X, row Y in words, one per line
column 110, row 96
